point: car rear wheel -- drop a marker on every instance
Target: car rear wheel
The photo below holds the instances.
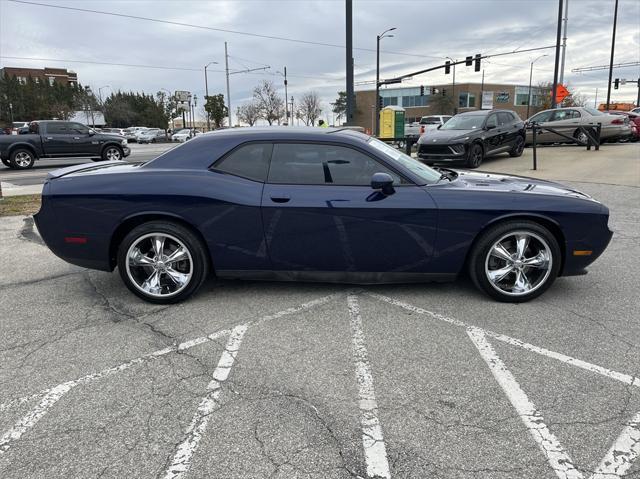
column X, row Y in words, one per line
column 518, row 148
column 112, row 153
column 22, row 159
column 476, row 155
column 162, row 262
column 515, row 261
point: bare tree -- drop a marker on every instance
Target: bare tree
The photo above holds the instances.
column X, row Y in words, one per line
column 270, row 104
column 249, row 113
column 309, row 109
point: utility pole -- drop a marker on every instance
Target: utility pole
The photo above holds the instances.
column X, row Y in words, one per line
column 613, row 46
column 638, row 99
column 349, row 59
column 595, row 102
column 557, row 62
column 564, row 41
column 482, row 89
column 226, row 63
column 453, row 91
column 286, row 104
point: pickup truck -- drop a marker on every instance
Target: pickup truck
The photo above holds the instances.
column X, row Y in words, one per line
column 54, row 139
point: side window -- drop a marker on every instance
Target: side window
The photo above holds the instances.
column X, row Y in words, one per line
column 542, row 116
column 248, row 161
column 492, row 120
column 33, row 128
column 317, row 164
column 78, row 128
column 504, row 118
column 57, row 128
column 575, row 114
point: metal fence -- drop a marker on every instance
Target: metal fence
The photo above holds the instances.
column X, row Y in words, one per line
column 592, row 133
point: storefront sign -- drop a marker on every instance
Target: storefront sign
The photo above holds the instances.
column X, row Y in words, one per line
column 487, row 100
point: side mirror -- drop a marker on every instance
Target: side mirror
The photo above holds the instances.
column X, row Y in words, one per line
column 383, row 182
column 92, row 132
column 438, row 127
column 489, row 127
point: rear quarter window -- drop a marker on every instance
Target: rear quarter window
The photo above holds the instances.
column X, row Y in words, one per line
column 249, row 161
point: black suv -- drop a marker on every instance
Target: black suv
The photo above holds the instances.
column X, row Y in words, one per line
column 470, row 137
column 54, row 138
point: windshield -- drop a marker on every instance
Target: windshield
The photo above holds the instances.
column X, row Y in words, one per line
column 428, row 175
column 593, row 112
column 464, row 122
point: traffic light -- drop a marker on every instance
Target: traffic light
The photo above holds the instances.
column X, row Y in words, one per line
column 444, row 92
column 421, row 90
column 616, row 83
column 477, row 62
column 433, row 90
column 447, row 67
column 380, row 102
column 468, row 61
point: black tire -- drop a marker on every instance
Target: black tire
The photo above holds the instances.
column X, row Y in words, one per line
column 22, row 159
column 6, row 163
column 479, row 260
column 112, row 153
column 518, row 148
column 475, row 156
column 198, row 259
column 580, row 135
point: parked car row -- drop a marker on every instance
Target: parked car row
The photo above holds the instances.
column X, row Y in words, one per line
column 472, row 136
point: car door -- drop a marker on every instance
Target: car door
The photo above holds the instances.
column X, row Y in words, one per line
column 565, row 121
column 493, row 136
column 57, row 138
column 85, row 144
column 542, row 119
column 508, row 124
column 321, row 215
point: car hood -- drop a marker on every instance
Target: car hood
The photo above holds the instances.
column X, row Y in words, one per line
column 108, row 136
column 445, row 136
column 479, row 180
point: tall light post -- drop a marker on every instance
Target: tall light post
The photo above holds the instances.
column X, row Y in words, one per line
column 193, row 111
column 206, row 91
column 100, row 92
column 530, row 78
column 378, row 38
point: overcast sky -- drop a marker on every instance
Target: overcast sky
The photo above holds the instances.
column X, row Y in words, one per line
column 427, row 31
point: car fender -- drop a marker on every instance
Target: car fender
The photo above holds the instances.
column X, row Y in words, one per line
column 29, row 146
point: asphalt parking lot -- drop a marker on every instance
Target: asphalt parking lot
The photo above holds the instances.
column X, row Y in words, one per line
column 276, row 380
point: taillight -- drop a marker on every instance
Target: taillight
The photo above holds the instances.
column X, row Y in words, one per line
column 422, row 129
column 617, row 121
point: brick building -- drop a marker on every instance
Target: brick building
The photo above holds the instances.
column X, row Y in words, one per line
column 50, row 75
column 468, row 97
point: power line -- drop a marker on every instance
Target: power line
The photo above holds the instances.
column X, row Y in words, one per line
column 605, row 67
column 223, row 30
column 131, row 65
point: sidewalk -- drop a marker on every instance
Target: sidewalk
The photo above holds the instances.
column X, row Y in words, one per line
column 9, row 189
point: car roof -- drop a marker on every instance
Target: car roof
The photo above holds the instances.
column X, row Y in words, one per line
column 285, row 133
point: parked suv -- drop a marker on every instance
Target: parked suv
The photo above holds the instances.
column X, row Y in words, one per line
column 471, row 136
column 53, row 138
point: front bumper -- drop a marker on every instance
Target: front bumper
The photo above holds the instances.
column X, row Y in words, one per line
column 438, row 153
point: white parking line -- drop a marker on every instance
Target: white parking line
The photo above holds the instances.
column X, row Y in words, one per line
column 622, row 453
column 624, row 378
column 375, row 451
column 52, row 395
column 531, row 417
column 182, row 457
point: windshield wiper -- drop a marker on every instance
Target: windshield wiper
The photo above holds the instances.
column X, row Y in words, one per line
column 445, row 173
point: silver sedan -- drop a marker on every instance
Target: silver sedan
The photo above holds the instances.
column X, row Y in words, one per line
column 568, row 120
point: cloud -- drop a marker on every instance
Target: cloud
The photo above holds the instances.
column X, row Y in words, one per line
column 454, row 28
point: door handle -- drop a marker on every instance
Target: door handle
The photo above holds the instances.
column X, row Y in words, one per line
column 49, row 138
column 280, row 199
column 76, row 137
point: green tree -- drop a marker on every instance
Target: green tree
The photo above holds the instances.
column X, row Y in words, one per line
column 124, row 109
column 340, row 105
column 216, row 109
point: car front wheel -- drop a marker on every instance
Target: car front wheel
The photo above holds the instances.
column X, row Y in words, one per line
column 112, row 153
column 22, row 159
column 518, row 148
column 162, row 262
column 475, row 156
column 515, row 261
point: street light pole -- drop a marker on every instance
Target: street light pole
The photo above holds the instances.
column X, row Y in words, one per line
column 530, row 77
column 226, row 63
column 613, row 46
column 453, row 87
column 377, row 118
column 206, row 92
column 286, row 104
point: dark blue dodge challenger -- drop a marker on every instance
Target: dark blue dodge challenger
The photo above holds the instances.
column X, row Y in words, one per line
column 315, row 205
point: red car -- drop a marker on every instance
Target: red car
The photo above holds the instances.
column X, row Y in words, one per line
column 634, row 122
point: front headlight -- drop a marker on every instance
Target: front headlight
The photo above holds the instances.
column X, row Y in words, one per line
column 124, row 142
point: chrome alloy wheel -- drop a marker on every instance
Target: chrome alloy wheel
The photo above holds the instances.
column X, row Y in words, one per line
column 518, row 263
column 112, row 154
column 159, row 265
column 23, row 159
